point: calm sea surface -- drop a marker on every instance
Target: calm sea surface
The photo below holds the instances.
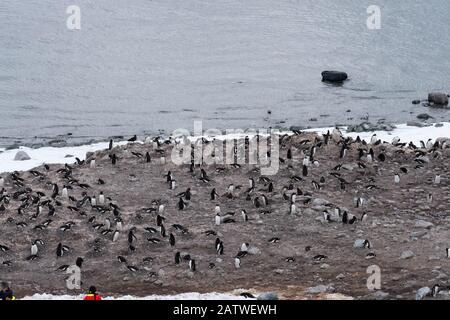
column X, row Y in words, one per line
column 143, row 66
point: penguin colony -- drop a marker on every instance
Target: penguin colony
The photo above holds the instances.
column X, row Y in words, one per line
column 137, row 224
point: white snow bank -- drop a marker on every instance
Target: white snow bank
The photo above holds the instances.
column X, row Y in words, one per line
column 181, row 296
column 58, row 155
column 47, row 155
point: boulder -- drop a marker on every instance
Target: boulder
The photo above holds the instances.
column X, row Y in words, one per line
column 21, row 156
column 334, row 76
column 422, row 293
column 438, row 98
column 268, row 296
column 423, row 224
column 407, row 254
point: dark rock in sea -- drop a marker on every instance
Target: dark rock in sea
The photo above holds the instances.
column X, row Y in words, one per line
column 21, row 156
column 296, row 128
column 69, row 156
column 438, row 98
column 416, row 102
column 334, row 76
column 424, row 116
column 57, row 143
column 369, row 127
column 439, row 125
column 13, row 146
column 313, row 119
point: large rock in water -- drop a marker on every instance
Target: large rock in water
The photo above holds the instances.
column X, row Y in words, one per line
column 334, row 76
column 21, row 156
column 438, row 98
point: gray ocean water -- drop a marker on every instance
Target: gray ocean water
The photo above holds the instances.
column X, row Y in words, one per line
column 143, row 66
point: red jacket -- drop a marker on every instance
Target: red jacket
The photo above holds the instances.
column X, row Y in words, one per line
column 91, row 296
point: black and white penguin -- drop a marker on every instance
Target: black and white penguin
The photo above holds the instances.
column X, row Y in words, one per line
column 396, row 178
column 172, row 184
column 217, row 219
column 448, row 252
column 237, row 262
column 192, row 265
column 244, row 215
column 292, row 208
column 305, row 171
column 110, row 146
column 437, row 179
column 364, row 217
column 177, row 258
column 115, row 236
column 219, row 247
column 101, row 198
column 214, row 194
column 79, row 262
column 172, row 240
column 34, row 248
column 181, row 204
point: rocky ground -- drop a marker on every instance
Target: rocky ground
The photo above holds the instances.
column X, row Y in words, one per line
column 408, row 232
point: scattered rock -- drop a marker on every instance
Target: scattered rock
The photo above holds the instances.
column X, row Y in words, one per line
column 415, row 124
column 423, row 224
column 422, row 293
column 369, row 127
column 438, row 98
column 424, row 116
column 68, row 156
column 21, row 156
column 416, row 102
column 407, row 254
column 319, row 289
column 268, row 296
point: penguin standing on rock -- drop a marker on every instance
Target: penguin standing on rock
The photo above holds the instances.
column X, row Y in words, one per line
column 192, row 265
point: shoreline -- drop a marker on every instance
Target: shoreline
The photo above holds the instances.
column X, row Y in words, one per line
column 66, row 155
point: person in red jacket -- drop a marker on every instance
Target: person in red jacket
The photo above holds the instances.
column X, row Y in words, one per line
column 92, row 294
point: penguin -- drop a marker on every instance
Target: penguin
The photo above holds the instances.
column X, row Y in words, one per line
column 448, row 252
column 101, row 198
column 115, row 236
column 219, row 248
column 121, row 259
column 367, row 244
column 305, row 171
column 148, row 159
column 92, row 164
column 345, row 217
column 192, row 265
column 2, row 182
column 237, row 263
column 435, row 290
column 364, row 217
column 292, row 208
column 159, row 220
column 60, row 250
column 119, row 225
column 55, row 191
column 110, row 144
column 132, row 139
column 373, row 139
column 181, row 204
column 93, row 201
column 244, row 215
column 162, row 230
column 172, row 240
column 177, row 258
column 113, row 158
column 107, row 223
column 430, row 198
column 244, row 247
column 172, row 184
column 79, row 262
column 65, row 193
column 396, row 178
column 217, row 219
column 34, row 248
column 161, row 208
column 214, row 194
column 217, row 209
column 437, row 179
column 131, row 236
